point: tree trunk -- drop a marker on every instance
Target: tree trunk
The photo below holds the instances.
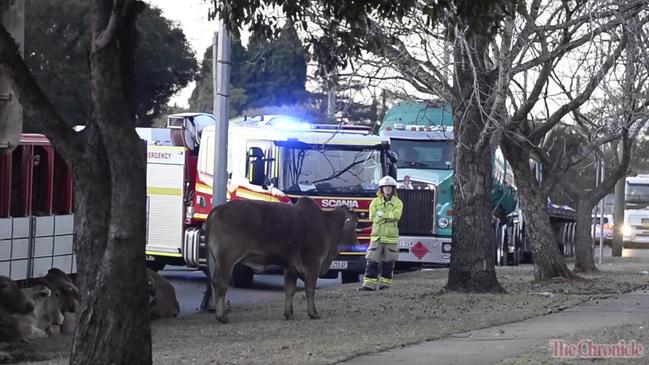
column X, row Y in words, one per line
column 12, row 16
column 110, row 194
column 472, row 266
column 114, row 324
column 584, row 239
column 618, row 218
column 548, row 260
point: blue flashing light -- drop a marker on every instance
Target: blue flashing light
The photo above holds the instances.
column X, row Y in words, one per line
column 287, row 123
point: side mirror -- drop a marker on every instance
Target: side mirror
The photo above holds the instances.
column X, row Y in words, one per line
column 256, row 175
column 392, row 170
column 256, row 167
column 255, row 152
column 392, row 156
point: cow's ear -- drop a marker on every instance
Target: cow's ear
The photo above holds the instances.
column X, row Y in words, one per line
column 70, row 290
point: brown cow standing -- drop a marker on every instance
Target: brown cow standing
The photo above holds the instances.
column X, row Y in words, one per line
column 301, row 237
column 162, row 296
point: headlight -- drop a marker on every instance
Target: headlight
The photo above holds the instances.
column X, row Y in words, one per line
column 627, row 230
column 446, row 247
column 442, row 222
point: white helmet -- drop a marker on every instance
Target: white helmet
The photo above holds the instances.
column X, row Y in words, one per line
column 387, row 181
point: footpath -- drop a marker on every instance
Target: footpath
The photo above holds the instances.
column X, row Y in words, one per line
column 495, row 344
column 359, row 327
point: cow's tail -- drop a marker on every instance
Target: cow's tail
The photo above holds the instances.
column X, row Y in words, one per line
column 213, row 216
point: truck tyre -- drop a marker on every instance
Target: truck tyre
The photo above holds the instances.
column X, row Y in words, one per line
column 331, row 274
column 155, row 265
column 501, row 257
column 511, row 259
column 527, row 258
column 242, row 276
column 349, row 277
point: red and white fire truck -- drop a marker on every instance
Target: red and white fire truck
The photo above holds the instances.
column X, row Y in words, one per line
column 36, row 220
column 273, row 158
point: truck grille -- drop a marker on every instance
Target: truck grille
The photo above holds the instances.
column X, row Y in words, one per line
column 418, row 214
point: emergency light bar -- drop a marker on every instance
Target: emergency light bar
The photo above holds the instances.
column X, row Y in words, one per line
column 359, row 129
column 417, row 128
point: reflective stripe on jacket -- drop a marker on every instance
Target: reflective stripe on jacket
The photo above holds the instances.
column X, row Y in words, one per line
column 384, row 227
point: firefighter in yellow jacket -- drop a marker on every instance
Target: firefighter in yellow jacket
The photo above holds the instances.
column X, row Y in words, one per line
column 385, row 212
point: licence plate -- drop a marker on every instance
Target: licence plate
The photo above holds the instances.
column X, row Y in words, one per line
column 338, row 265
column 405, row 244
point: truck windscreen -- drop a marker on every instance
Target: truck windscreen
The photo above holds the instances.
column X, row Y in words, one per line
column 636, row 195
column 423, row 154
column 329, row 170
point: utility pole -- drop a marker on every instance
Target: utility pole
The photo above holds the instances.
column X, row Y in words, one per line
column 221, row 80
column 221, row 113
column 331, row 95
column 618, row 212
column 12, row 16
column 601, row 213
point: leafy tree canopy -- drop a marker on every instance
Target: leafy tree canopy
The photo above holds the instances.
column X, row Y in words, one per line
column 268, row 73
column 341, row 38
column 56, row 48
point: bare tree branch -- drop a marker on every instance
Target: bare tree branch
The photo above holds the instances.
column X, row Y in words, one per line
column 583, row 97
column 35, row 104
column 106, row 36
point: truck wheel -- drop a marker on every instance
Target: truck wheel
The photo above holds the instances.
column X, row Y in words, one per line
column 527, row 258
column 500, row 258
column 205, row 272
column 511, row 259
column 155, row 265
column 349, row 277
column 242, row 276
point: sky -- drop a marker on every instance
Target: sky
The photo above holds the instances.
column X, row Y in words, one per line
column 191, row 17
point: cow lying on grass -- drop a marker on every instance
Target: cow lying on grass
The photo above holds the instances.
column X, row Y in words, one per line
column 12, row 301
column 301, row 238
column 63, row 287
column 162, row 296
column 46, row 313
column 39, row 310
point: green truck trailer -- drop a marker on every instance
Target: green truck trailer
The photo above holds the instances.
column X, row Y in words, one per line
column 421, row 135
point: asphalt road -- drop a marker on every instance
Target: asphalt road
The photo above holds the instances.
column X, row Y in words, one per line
column 190, row 287
column 627, row 252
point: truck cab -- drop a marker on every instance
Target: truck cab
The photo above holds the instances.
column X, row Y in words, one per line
column 636, row 212
column 425, row 182
column 280, row 159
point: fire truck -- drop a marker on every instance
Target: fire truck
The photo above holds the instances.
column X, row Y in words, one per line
column 36, row 218
column 271, row 158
